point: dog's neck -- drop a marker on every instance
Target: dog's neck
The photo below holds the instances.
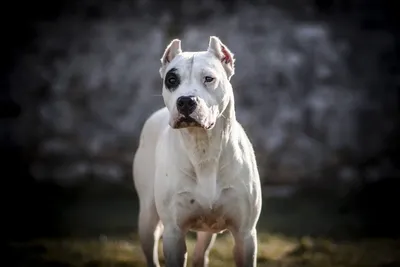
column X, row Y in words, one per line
column 205, row 146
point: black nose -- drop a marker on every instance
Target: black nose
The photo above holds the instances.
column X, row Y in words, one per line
column 186, row 105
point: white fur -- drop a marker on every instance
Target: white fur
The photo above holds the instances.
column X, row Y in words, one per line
column 203, row 178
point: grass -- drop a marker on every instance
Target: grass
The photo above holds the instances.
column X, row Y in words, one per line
column 274, row 250
column 93, row 227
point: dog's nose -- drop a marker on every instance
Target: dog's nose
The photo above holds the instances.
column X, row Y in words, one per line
column 186, row 105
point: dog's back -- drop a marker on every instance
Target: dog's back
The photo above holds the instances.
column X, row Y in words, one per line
column 144, row 160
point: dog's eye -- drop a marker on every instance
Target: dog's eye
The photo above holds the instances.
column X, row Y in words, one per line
column 208, row 79
column 172, row 80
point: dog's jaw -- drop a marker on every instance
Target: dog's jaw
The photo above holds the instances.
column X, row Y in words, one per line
column 202, row 118
column 186, row 122
column 183, row 122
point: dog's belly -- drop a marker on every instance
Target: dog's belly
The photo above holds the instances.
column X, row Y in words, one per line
column 196, row 213
column 210, row 221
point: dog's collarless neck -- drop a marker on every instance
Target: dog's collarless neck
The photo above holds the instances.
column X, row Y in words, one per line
column 205, row 145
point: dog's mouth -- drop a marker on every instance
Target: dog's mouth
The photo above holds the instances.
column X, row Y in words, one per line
column 185, row 122
column 189, row 122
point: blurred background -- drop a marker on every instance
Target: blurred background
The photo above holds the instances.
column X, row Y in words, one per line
column 316, row 88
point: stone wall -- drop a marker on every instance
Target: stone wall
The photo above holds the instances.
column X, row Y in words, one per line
column 306, row 95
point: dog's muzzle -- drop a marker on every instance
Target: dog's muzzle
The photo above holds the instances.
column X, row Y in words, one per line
column 188, row 116
column 186, row 105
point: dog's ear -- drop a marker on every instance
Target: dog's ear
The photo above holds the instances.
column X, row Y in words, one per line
column 222, row 52
column 172, row 50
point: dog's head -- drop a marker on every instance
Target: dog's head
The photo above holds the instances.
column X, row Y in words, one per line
column 196, row 87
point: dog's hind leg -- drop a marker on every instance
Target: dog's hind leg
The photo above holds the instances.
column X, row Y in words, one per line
column 203, row 245
column 150, row 230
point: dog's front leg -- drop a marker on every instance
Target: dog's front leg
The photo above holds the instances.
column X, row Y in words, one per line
column 245, row 249
column 174, row 246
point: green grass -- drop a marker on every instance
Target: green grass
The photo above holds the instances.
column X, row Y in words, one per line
column 95, row 228
column 274, row 250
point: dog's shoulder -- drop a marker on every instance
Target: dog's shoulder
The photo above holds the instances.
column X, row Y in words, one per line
column 154, row 126
column 240, row 135
column 243, row 148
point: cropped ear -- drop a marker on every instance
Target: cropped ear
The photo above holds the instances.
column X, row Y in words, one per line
column 172, row 50
column 223, row 54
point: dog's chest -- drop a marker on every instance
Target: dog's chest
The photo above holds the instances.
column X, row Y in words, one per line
column 208, row 203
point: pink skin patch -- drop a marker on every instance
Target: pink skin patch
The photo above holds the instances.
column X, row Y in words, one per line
column 227, row 58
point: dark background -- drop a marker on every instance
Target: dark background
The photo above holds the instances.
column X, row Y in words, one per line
column 316, row 86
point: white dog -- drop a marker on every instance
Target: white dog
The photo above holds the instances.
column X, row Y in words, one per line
column 195, row 168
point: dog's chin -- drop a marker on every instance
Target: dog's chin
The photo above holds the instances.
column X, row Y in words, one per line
column 189, row 122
